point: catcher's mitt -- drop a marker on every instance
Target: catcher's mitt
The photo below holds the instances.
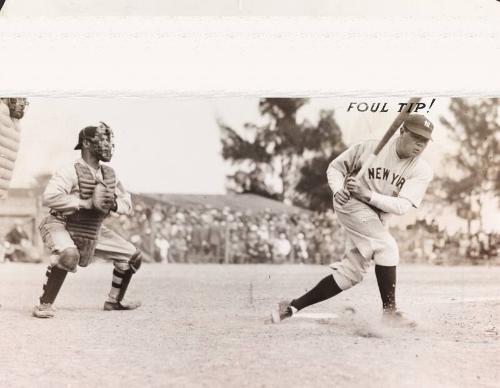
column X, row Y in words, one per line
column 103, row 198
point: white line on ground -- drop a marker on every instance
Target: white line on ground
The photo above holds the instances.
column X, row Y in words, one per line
column 472, row 299
column 316, row 315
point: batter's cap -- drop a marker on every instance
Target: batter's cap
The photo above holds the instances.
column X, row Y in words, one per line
column 419, row 125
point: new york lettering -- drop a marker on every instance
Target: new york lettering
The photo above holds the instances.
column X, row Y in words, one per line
column 381, row 173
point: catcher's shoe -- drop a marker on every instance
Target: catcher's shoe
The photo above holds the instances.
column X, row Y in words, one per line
column 122, row 305
column 44, row 310
column 284, row 311
column 395, row 318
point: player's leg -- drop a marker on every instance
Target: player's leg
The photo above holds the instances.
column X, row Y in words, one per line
column 325, row 289
column 386, row 260
column 386, row 280
column 127, row 260
column 347, row 273
column 371, row 237
column 64, row 257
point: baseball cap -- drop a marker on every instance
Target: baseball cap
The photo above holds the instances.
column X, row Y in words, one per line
column 85, row 133
column 88, row 133
column 419, row 125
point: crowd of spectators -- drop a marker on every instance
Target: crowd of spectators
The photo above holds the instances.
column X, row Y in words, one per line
column 425, row 242
column 201, row 234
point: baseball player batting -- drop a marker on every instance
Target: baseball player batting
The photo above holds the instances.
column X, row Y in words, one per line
column 80, row 196
column 394, row 181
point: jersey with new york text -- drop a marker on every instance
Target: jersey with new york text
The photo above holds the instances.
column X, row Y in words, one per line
column 388, row 174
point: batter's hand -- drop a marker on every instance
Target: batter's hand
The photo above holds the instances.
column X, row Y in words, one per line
column 357, row 191
column 342, row 196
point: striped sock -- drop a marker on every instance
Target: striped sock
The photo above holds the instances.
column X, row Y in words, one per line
column 53, row 283
column 116, row 285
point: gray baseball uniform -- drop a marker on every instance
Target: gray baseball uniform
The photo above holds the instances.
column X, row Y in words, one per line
column 367, row 235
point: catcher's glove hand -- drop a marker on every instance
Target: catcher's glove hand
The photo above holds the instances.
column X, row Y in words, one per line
column 104, row 198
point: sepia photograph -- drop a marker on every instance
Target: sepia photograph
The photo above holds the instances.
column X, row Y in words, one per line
column 249, row 194
column 242, row 241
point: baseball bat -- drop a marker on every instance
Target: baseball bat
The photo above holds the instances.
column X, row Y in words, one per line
column 400, row 118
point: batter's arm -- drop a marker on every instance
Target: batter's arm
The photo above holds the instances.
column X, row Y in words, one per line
column 335, row 178
column 343, row 165
column 388, row 204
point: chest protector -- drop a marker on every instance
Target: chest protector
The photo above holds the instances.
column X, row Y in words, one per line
column 85, row 224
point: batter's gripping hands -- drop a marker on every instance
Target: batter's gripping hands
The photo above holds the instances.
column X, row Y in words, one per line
column 342, row 196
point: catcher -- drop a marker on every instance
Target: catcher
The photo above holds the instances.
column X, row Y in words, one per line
column 80, row 196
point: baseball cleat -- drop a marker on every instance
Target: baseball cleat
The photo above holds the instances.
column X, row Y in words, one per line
column 284, row 311
column 121, row 306
column 396, row 319
column 44, row 310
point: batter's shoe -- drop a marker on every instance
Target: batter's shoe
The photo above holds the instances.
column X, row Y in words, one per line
column 284, row 311
column 122, row 305
column 44, row 310
column 395, row 318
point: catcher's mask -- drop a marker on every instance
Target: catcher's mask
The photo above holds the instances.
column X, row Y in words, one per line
column 101, row 139
column 17, row 105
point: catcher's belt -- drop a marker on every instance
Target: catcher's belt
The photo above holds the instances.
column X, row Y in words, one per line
column 85, row 224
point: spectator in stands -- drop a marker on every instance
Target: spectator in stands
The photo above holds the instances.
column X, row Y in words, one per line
column 162, row 246
column 18, row 246
column 252, row 244
column 215, row 238
column 300, row 248
column 474, row 250
column 16, row 234
column 196, row 247
column 281, row 249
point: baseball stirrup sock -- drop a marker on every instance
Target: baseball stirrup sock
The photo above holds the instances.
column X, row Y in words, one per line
column 116, row 284
column 386, row 280
column 324, row 290
column 54, row 282
column 121, row 280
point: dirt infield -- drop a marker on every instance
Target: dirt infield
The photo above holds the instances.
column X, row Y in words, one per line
column 203, row 325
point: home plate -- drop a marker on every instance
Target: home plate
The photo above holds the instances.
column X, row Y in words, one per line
column 315, row 316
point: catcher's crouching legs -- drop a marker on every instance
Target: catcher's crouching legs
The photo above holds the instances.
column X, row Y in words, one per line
column 122, row 274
